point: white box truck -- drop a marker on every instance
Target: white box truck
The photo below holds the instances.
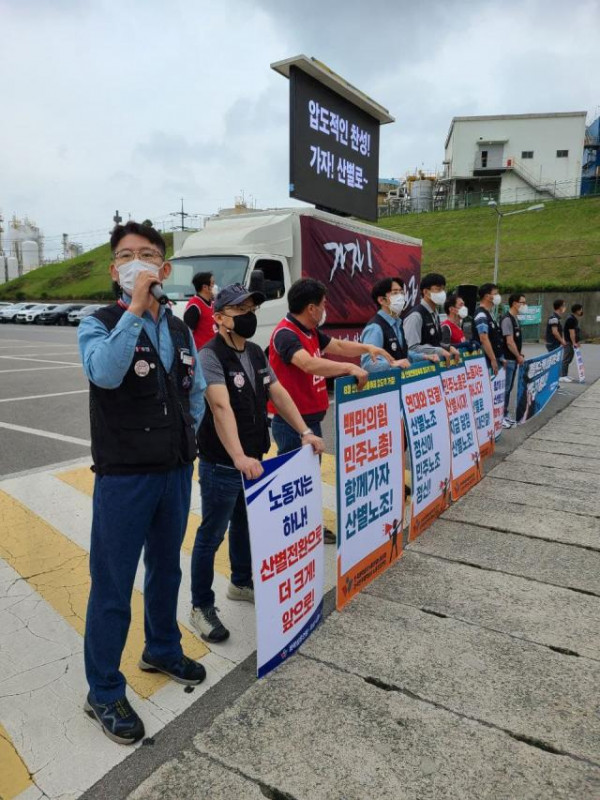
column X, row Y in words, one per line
column 269, row 250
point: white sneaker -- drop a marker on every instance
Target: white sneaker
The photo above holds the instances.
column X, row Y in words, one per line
column 511, row 419
column 565, row 379
column 206, row 622
column 506, row 423
column 240, row 593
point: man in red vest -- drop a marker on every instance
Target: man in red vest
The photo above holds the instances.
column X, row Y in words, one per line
column 295, row 354
column 198, row 315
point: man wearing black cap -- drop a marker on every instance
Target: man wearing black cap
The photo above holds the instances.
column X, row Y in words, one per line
column 232, row 439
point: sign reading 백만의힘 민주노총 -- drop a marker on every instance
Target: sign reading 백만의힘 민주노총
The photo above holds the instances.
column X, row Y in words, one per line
column 370, row 480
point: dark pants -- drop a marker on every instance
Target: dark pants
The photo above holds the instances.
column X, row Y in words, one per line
column 286, row 437
column 511, row 371
column 131, row 513
column 223, row 506
column 568, row 356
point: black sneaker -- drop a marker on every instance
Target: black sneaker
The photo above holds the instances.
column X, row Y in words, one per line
column 118, row 720
column 329, row 536
column 204, row 619
column 186, row 670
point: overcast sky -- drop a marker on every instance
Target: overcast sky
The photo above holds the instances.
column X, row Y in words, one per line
column 137, row 103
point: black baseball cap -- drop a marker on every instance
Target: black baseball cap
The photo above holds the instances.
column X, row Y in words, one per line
column 234, row 294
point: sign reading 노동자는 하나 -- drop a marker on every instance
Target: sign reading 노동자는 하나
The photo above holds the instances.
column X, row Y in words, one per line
column 428, row 434
column 370, row 480
column 285, row 518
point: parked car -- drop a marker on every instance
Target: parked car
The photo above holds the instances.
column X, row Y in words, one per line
column 75, row 317
column 58, row 315
column 29, row 315
column 10, row 314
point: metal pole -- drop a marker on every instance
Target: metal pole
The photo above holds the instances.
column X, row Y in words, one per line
column 497, row 253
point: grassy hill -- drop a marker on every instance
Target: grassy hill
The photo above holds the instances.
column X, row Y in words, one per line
column 557, row 248
column 85, row 277
column 554, row 249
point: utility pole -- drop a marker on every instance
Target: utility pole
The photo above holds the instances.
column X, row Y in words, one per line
column 117, row 219
column 183, row 214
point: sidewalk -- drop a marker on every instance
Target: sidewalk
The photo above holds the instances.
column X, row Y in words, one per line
column 470, row 670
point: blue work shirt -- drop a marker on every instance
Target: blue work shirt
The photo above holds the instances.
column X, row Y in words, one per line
column 106, row 357
column 373, row 334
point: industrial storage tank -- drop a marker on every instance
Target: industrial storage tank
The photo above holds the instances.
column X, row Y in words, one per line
column 13, row 267
column 421, row 195
column 30, row 255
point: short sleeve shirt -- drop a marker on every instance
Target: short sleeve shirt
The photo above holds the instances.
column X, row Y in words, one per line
column 213, row 369
column 287, row 343
column 571, row 323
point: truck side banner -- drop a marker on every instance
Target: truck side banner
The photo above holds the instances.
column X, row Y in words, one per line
column 465, row 461
column 428, row 433
column 349, row 263
column 498, row 391
column 285, row 517
column 480, row 388
column 537, row 382
column 370, row 480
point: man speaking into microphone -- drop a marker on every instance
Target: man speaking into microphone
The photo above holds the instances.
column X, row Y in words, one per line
column 146, row 402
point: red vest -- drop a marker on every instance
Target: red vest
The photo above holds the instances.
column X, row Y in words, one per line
column 309, row 392
column 205, row 329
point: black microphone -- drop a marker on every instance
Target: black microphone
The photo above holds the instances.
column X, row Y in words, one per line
column 156, row 291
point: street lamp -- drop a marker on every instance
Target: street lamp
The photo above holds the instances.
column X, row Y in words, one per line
column 501, row 214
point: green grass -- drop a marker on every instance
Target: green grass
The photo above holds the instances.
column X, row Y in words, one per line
column 557, row 249
column 85, row 277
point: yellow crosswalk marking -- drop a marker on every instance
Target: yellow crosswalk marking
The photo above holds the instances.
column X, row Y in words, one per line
column 58, row 570
column 14, row 775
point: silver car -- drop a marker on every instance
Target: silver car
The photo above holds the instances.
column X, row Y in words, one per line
column 75, row 317
column 31, row 314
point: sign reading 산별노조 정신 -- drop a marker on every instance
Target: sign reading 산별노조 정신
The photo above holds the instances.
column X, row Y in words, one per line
column 285, row 518
column 465, row 462
column 370, row 480
column 498, row 391
column 428, row 434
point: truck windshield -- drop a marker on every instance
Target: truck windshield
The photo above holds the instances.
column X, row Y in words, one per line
column 226, row 269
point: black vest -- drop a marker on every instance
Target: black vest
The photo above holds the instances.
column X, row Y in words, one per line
column 144, row 425
column 494, row 331
column 517, row 336
column 555, row 320
column 431, row 330
column 391, row 343
column 249, row 405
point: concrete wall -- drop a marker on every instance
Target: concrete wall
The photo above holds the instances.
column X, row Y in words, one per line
column 590, row 301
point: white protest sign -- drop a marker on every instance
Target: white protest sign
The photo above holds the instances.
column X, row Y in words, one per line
column 285, row 518
column 498, row 391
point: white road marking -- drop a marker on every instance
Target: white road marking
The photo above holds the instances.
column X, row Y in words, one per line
column 30, row 358
column 38, row 396
column 35, row 369
column 48, row 434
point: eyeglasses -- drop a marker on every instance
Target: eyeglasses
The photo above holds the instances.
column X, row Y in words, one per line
column 145, row 254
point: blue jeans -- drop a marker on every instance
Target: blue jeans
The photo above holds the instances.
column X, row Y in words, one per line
column 511, row 371
column 223, row 506
column 131, row 513
column 286, row 437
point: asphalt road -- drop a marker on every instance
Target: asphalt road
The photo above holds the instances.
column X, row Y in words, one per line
column 44, row 402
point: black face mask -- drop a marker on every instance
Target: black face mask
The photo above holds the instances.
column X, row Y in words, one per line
column 245, row 324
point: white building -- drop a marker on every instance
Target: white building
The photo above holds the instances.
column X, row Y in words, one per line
column 514, row 158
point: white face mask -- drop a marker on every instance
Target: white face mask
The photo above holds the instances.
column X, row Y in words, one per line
column 323, row 318
column 128, row 273
column 523, row 308
column 397, row 302
column 497, row 299
column 215, row 290
column 439, row 298
column 463, row 312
